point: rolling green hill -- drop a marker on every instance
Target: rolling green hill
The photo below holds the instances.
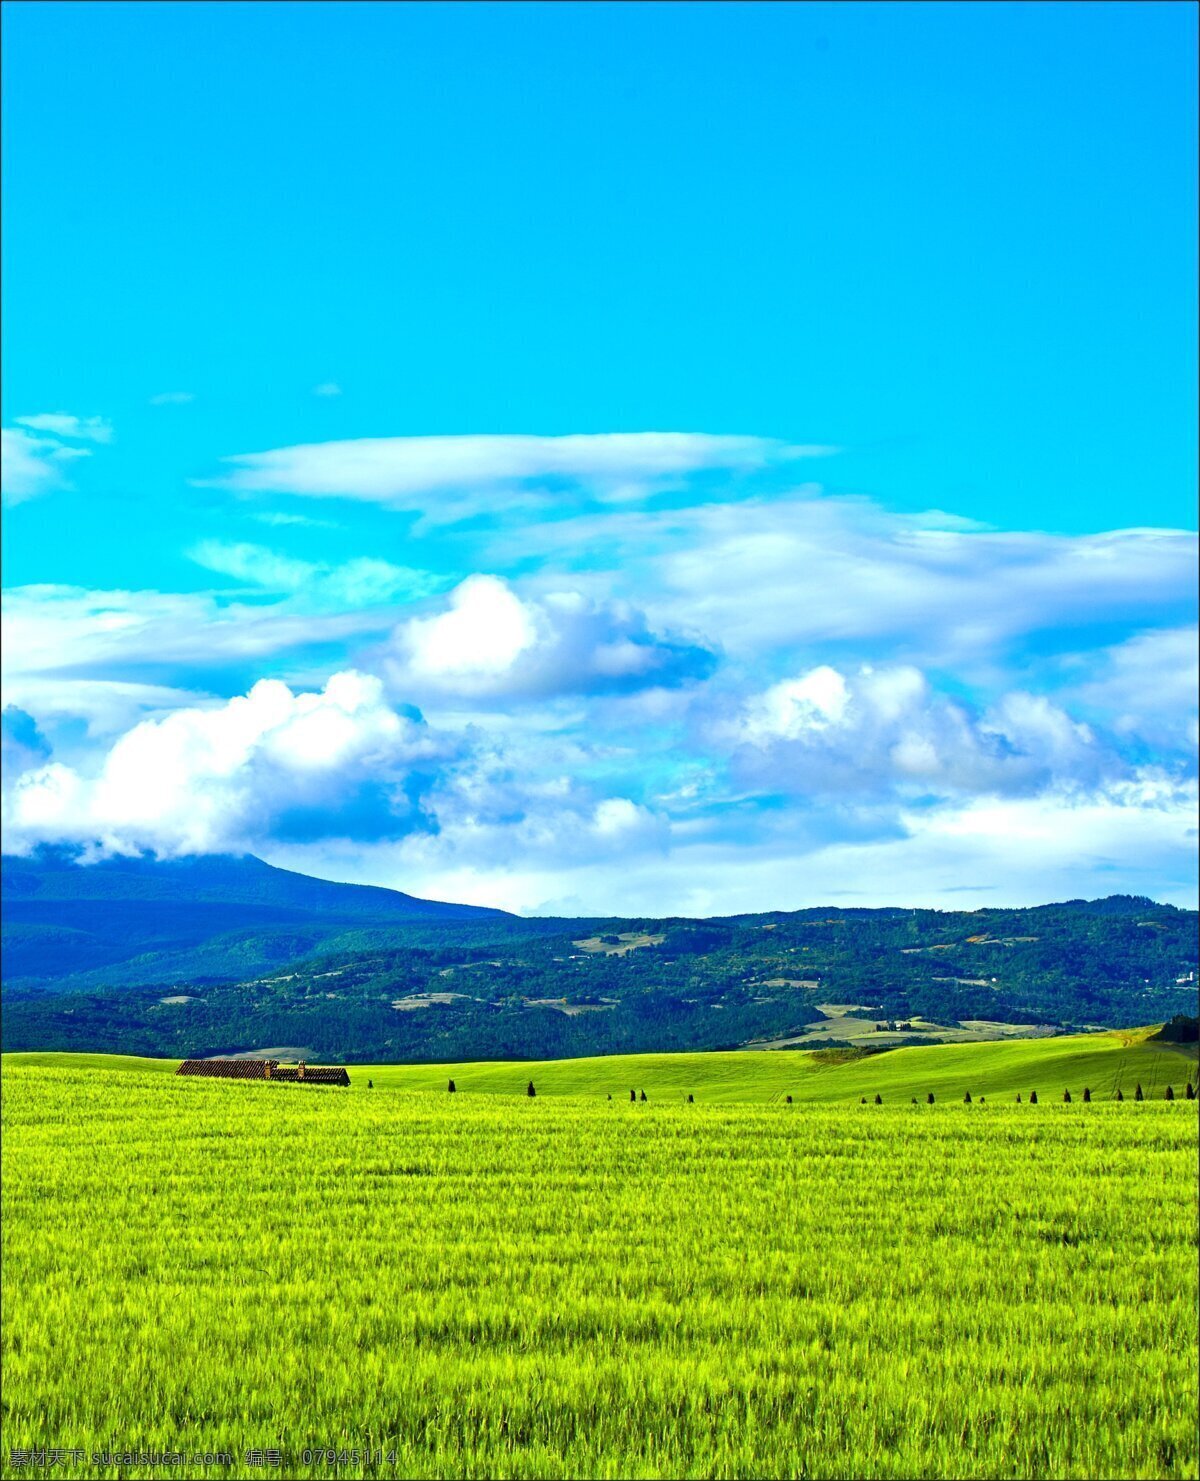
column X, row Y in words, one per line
column 1102, row 1062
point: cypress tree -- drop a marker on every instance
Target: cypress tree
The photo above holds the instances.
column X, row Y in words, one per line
column 1137, row 1091
column 1066, row 1097
column 370, row 1084
column 929, row 1098
column 530, row 1090
column 789, row 1100
column 1033, row 1097
column 1087, row 1096
column 633, row 1095
column 451, row 1087
column 1170, row 1095
column 1189, row 1091
column 691, row 1099
column 863, row 1101
column 1119, row 1096
column 967, row 1099
column 1018, row 1097
column 878, row 1100
column 643, row 1095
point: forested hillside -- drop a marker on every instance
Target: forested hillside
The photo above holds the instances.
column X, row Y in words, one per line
column 227, row 956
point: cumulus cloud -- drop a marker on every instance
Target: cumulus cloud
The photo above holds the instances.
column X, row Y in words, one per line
column 501, row 835
column 451, row 478
column 876, row 730
column 489, row 643
column 270, row 763
column 336, row 772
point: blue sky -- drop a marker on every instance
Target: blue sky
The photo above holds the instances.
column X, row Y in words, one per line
column 744, row 454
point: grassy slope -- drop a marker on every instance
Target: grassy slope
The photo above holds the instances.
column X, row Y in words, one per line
column 1100, row 1061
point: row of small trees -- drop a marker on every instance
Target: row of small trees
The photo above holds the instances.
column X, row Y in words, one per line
column 1189, row 1093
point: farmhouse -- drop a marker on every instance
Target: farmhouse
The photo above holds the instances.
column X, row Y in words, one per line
column 264, row 1069
column 312, row 1074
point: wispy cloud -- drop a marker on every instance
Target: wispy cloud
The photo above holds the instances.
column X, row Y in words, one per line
column 362, row 582
column 65, row 634
column 807, row 571
column 450, row 478
column 327, row 388
column 30, row 465
column 61, row 424
column 172, row 398
column 277, row 520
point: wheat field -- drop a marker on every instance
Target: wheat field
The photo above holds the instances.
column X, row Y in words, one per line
column 420, row 1284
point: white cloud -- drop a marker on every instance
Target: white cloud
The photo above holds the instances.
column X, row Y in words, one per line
column 278, row 520
column 893, row 719
column 449, row 478
column 60, row 424
column 22, row 744
column 62, row 634
column 887, row 731
column 809, row 570
column 327, row 388
column 491, row 644
column 105, row 706
column 361, row 582
column 1147, row 686
column 226, row 777
column 1137, row 836
column 172, row 398
column 484, row 630
column 253, row 564
column 30, row 466
column 787, row 710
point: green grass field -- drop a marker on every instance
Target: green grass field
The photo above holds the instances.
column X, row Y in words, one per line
column 1101, row 1062
column 490, row 1285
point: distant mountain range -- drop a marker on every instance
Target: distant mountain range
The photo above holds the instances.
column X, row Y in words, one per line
column 61, row 918
column 221, row 955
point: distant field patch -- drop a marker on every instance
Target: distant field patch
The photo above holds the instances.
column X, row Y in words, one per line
column 845, row 1023
column 425, row 1000
column 620, row 943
